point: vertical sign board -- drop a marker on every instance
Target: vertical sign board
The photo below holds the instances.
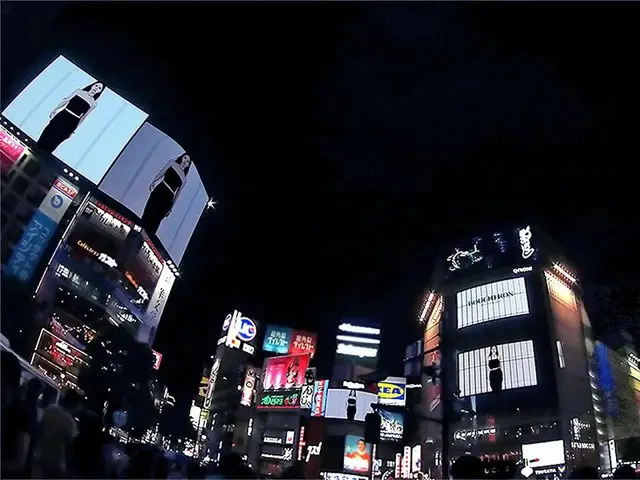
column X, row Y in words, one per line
column 41, row 227
column 11, row 149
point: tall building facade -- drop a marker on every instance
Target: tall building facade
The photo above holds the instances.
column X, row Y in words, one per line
column 505, row 318
column 98, row 207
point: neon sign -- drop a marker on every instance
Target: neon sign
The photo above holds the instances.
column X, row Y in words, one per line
column 525, row 242
column 279, row 401
column 464, row 258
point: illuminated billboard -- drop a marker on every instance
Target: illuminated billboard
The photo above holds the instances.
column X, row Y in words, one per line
column 506, row 298
column 284, row 399
column 392, row 391
column 349, row 404
column 157, row 359
column 65, row 356
column 43, row 224
column 432, row 390
column 11, row 149
column 76, row 117
column 249, row 386
column 285, row 372
column 497, row 368
column 239, row 332
column 391, row 425
column 357, row 454
column 156, row 179
column 544, row 454
column 284, row 340
column 319, row 400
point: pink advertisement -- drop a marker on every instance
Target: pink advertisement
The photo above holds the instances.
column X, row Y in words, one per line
column 10, row 149
column 285, row 372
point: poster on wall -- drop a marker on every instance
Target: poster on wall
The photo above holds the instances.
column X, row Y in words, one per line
column 156, row 179
column 496, row 368
column 493, row 301
column 76, row 117
column 285, row 372
column 357, row 454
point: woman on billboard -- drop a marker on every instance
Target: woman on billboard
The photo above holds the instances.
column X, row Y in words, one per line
column 495, row 370
column 68, row 115
column 165, row 190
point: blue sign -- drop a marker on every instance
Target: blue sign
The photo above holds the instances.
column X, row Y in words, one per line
column 57, row 201
column 246, row 329
column 277, row 339
column 605, row 377
column 27, row 252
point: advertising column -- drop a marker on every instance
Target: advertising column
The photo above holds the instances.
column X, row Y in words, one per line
column 27, row 252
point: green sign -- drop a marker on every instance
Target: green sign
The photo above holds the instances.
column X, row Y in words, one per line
column 279, row 400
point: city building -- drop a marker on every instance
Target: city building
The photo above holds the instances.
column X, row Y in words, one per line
column 96, row 216
column 505, row 317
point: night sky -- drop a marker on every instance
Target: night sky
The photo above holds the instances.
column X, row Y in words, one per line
column 348, row 143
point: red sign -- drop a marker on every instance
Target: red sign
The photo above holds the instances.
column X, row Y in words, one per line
column 302, row 342
column 157, row 358
column 285, row 372
column 10, row 150
column 69, row 190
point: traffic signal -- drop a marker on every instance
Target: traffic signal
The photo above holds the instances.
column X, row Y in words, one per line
column 372, row 423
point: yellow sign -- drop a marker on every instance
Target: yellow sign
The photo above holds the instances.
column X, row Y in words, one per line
column 390, row 391
column 204, row 385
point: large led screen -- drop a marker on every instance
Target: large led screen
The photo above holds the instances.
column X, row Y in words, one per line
column 285, row 372
column 506, row 298
column 391, row 425
column 156, row 179
column 357, row 454
column 349, row 404
column 76, row 117
column 544, row 454
column 496, row 368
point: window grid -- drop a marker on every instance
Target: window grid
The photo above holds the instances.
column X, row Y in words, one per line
column 517, row 361
column 511, row 301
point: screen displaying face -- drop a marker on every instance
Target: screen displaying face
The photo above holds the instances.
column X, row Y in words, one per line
column 496, row 368
column 76, row 117
column 156, row 179
column 357, row 454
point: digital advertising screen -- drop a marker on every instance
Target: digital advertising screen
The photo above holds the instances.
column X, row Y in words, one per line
column 432, row 390
column 11, row 149
column 544, row 454
column 143, row 271
column 76, row 117
column 357, row 454
column 496, row 368
column 392, row 391
column 493, row 301
column 348, row 404
column 285, row 372
column 156, row 179
column 284, row 340
column 391, row 425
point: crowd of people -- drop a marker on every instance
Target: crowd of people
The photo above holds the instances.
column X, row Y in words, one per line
column 43, row 438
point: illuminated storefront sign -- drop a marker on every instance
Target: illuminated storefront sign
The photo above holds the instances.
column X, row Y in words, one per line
column 522, row 270
column 284, row 400
column 286, row 455
column 302, row 342
column 480, row 432
column 492, row 301
column 583, row 445
column 524, row 235
column 103, row 257
column 239, row 332
column 392, row 391
column 313, row 450
column 157, row 359
column 35, row 237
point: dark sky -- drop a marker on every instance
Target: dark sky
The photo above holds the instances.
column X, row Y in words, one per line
column 347, row 143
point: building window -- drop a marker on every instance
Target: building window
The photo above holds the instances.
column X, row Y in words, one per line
column 14, row 232
column 9, row 202
column 560, row 353
column 36, row 197
column 20, row 185
column 31, row 169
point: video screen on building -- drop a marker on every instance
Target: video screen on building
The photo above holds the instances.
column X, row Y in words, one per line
column 349, row 404
column 73, row 331
column 544, row 454
column 391, row 425
column 285, row 340
column 143, row 272
column 357, row 454
column 285, row 372
column 156, row 179
column 496, row 368
column 506, row 298
column 76, row 117
column 11, row 150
